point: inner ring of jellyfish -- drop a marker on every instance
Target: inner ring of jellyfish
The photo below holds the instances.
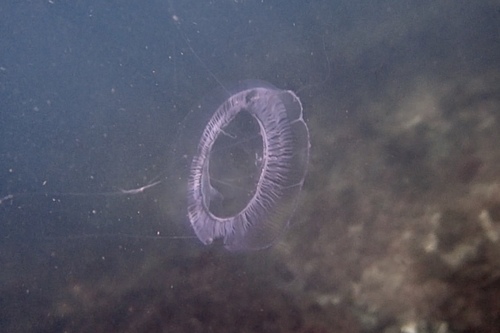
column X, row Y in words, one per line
column 248, row 167
column 233, row 169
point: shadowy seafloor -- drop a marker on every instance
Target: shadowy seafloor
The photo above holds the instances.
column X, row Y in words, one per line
column 398, row 224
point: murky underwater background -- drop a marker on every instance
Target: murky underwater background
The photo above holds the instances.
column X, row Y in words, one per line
column 398, row 226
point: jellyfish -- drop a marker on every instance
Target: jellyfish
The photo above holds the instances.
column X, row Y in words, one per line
column 246, row 150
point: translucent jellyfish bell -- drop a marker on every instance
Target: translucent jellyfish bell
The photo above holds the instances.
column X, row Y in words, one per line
column 245, row 153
